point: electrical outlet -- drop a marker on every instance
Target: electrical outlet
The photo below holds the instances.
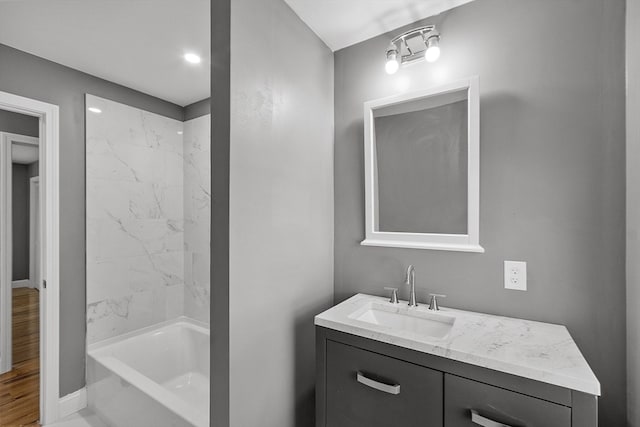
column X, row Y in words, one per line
column 515, row 275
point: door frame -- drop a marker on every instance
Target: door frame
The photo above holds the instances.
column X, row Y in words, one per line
column 6, row 246
column 6, row 258
column 34, row 217
column 50, row 243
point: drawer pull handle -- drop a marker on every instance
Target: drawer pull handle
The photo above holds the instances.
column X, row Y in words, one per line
column 476, row 418
column 387, row 388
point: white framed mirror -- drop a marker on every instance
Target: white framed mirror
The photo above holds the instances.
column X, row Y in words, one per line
column 422, row 169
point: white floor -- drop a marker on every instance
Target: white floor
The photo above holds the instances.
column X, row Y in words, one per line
column 84, row 418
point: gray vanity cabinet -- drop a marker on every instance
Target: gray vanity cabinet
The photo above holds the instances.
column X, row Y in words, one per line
column 373, row 390
column 471, row 403
column 361, row 382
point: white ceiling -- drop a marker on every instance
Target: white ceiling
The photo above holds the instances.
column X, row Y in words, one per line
column 136, row 43
column 341, row 23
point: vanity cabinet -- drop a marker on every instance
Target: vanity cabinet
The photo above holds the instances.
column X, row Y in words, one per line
column 373, row 390
column 471, row 403
column 361, row 382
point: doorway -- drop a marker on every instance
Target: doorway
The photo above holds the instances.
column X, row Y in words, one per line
column 29, row 263
column 19, row 364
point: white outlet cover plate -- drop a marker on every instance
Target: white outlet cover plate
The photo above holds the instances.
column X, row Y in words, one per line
column 515, row 275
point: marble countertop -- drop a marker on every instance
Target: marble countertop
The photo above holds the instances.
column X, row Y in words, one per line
column 538, row 351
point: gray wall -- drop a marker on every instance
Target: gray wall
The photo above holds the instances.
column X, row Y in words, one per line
column 20, row 221
column 19, row 123
column 27, row 75
column 633, row 212
column 34, row 169
column 21, row 204
column 281, row 207
column 551, row 171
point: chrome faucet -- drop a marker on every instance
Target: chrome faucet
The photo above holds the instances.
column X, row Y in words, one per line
column 411, row 281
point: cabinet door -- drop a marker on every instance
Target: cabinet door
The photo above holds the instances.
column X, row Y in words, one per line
column 366, row 389
column 471, row 404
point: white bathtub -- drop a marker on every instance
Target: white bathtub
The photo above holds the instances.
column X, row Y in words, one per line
column 157, row 376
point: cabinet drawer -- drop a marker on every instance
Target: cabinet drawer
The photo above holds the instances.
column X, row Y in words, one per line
column 365, row 389
column 502, row 407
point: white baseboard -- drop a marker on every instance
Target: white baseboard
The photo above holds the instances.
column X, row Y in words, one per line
column 72, row 402
column 26, row 283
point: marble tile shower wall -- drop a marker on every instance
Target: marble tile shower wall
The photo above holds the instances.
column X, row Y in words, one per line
column 197, row 217
column 135, row 219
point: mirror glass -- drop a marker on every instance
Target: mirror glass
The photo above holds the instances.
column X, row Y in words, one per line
column 421, row 157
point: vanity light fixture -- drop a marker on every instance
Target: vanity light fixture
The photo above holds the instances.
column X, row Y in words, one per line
column 192, row 58
column 95, row 110
column 407, row 48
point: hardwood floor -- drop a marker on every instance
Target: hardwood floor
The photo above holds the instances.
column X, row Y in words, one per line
column 20, row 387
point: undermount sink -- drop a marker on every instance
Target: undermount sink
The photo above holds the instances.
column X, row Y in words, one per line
column 399, row 318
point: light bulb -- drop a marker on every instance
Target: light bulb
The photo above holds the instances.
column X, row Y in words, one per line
column 432, row 54
column 433, row 49
column 391, row 66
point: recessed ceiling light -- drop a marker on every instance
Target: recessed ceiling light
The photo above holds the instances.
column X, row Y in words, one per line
column 95, row 110
column 179, row 132
column 192, row 58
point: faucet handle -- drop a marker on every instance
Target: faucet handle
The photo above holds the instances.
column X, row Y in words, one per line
column 394, row 295
column 433, row 301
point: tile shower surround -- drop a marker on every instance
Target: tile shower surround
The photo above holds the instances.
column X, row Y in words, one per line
column 197, row 217
column 139, row 201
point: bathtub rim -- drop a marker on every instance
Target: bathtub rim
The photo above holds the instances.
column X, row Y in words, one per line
column 98, row 353
column 196, row 325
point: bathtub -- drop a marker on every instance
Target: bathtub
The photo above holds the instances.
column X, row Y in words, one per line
column 156, row 376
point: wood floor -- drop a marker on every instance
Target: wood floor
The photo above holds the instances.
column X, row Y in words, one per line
column 20, row 388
